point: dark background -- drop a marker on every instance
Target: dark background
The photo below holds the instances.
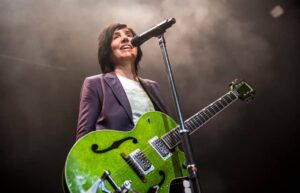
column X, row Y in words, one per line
column 48, row 47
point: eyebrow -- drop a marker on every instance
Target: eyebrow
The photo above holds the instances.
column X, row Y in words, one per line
column 126, row 30
column 116, row 33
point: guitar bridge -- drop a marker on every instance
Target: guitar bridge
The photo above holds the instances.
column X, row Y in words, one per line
column 139, row 163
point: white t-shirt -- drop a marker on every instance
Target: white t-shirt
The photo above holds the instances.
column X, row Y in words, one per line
column 139, row 100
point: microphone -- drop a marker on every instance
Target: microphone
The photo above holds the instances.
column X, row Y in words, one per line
column 152, row 32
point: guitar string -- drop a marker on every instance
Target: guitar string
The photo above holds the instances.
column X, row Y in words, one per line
column 148, row 153
column 145, row 151
column 120, row 169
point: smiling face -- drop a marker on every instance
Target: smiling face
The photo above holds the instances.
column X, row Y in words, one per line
column 122, row 50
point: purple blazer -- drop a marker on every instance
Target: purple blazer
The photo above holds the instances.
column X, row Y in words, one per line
column 104, row 104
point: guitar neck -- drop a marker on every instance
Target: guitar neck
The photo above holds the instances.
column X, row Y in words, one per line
column 173, row 137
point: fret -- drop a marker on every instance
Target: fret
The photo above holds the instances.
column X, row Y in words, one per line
column 232, row 96
column 177, row 135
column 207, row 114
column 187, row 125
column 215, row 108
column 172, row 135
column 204, row 116
column 194, row 123
column 167, row 139
column 223, row 101
column 177, row 130
column 227, row 98
column 173, row 138
column 212, row 110
column 219, row 104
column 198, row 119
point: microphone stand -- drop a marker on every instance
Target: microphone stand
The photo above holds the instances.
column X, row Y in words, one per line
column 186, row 144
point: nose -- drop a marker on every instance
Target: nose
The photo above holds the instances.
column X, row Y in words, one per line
column 125, row 38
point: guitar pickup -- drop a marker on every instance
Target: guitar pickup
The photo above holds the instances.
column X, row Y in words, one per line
column 160, row 148
column 140, row 159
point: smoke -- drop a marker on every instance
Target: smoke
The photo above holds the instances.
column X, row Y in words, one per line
column 209, row 46
column 49, row 28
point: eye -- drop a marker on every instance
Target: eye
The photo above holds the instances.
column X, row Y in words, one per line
column 115, row 36
column 129, row 35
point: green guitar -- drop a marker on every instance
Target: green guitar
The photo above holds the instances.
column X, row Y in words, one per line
column 145, row 159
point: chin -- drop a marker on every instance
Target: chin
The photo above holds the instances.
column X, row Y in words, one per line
column 129, row 56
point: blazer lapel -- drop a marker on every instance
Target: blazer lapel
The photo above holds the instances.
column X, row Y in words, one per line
column 156, row 101
column 112, row 80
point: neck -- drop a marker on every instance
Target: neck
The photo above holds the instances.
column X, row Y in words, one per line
column 126, row 71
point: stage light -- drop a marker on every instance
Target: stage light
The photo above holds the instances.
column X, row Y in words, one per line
column 277, row 11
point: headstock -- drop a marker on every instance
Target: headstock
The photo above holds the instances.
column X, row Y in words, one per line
column 244, row 89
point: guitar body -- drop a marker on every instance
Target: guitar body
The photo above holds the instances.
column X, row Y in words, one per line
column 140, row 160
column 106, row 150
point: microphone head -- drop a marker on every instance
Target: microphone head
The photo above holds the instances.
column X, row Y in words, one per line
column 172, row 20
column 135, row 41
column 154, row 31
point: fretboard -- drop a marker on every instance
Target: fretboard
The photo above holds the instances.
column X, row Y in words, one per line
column 173, row 137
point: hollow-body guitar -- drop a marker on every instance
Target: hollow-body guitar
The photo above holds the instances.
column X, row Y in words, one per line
column 145, row 159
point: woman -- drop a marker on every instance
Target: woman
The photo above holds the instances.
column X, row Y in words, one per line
column 118, row 97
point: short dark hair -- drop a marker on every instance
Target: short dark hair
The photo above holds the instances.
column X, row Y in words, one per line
column 104, row 48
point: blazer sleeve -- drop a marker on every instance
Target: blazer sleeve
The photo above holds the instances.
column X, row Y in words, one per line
column 89, row 107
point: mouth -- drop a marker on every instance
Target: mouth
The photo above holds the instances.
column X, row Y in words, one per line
column 126, row 47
